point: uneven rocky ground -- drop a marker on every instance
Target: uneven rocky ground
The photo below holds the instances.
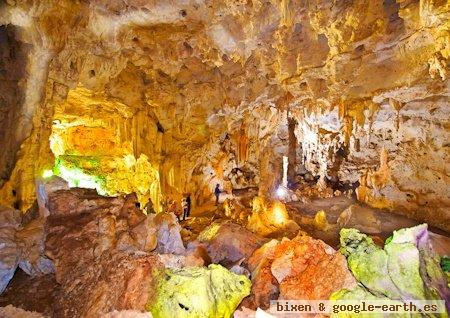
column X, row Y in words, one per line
column 108, row 256
column 172, row 97
column 324, row 123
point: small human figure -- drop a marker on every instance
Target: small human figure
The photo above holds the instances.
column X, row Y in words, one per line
column 184, row 206
column 149, row 207
column 188, row 204
column 217, row 193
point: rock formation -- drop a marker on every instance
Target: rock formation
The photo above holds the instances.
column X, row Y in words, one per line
column 93, row 242
column 302, row 269
column 229, row 243
column 112, row 111
column 21, row 246
column 194, row 94
column 407, row 267
column 199, row 292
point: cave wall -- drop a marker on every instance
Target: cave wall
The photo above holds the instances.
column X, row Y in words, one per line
column 12, row 73
column 365, row 81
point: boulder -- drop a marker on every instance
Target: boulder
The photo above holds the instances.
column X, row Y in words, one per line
column 313, row 270
column 199, row 292
column 9, row 248
column 299, row 269
column 407, row 268
column 99, row 246
column 361, row 218
column 31, row 241
column 169, row 237
column 83, row 225
column 228, row 243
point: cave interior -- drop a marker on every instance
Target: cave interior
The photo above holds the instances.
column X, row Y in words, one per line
column 218, row 158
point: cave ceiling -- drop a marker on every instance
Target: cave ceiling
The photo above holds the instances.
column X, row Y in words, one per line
column 206, row 87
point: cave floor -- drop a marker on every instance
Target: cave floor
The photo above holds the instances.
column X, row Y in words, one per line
column 36, row 294
column 379, row 223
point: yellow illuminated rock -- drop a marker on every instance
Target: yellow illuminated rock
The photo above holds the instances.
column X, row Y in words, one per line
column 268, row 218
column 206, row 91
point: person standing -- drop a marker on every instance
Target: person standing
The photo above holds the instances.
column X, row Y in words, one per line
column 188, row 203
column 149, row 207
column 217, row 193
column 184, row 206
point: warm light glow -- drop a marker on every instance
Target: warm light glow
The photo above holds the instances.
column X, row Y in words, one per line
column 47, row 173
column 281, row 192
column 92, row 140
column 77, row 178
column 279, row 214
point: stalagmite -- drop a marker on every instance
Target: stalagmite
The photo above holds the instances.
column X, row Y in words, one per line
column 204, row 158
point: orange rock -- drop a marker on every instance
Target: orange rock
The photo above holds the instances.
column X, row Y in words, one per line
column 301, row 268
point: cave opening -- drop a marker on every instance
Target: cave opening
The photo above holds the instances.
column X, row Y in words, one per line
column 223, row 158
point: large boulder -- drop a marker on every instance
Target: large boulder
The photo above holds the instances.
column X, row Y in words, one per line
column 113, row 282
column 307, row 268
column 211, row 292
column 407, row 268
column 229, row 243
column 82, row 226
column 302, row 268
column 99, row 246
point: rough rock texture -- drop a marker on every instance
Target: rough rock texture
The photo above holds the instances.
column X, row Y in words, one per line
column 13, row 312
column 199, row 292
column 9, row 249
column 21, row 245
column 31, row 243
column 302, row 268
column 406, row 269
column 119, row 282
column 218, row 91
column 229, row 243
column 168, row 234
column 98, row 246
column 31, row 293
column 82, row 226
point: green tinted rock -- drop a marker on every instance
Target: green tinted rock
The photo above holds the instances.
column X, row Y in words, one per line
column 368, row 263
column 406, row 269
column 198, row 292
